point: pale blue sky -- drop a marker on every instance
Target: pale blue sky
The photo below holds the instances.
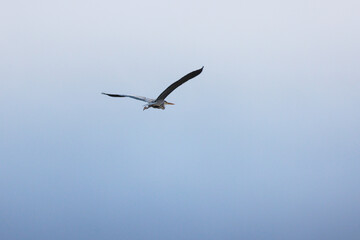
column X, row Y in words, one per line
column 264, row 144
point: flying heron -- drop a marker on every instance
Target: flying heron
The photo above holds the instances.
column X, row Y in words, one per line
column 160, row 102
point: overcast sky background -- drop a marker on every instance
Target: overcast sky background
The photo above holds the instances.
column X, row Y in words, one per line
column 264, row 144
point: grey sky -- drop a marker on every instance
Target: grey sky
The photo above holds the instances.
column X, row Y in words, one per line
column 264, row 144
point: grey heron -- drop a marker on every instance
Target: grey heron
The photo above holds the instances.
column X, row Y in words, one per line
column 160, row 102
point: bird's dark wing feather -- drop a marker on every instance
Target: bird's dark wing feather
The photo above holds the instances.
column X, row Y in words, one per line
column 145, row 99
column 176, row 84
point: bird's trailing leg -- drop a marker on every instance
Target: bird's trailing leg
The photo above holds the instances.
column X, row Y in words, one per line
column 149, row 105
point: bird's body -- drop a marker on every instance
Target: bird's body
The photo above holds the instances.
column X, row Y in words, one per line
column 159, row 102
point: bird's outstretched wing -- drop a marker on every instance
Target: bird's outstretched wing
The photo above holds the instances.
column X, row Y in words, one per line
column 176, row 84
column 145, row 99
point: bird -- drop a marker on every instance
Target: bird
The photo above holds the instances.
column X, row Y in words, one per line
column 159, row 102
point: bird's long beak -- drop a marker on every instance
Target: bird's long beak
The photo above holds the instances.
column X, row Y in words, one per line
column 169, row 103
